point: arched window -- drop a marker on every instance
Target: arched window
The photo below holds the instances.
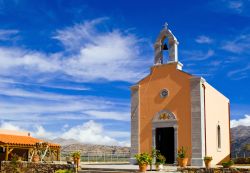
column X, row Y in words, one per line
column 218, row 136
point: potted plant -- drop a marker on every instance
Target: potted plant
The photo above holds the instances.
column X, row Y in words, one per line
column 182, row 157
column 143, row 161
column 227, row 164
column 154, row 154
column 160, row 160
column 207, row 161
column 76, row 158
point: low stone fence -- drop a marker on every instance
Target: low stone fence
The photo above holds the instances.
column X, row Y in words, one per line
column 31, row 167
column 214, row 170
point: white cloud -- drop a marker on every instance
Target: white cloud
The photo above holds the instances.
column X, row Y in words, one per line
column 87, row 133
column 101, row 55
column 236, row 5
column 45, row 107
column 198, row 55
column 7, row 34
column 120, row 116
column 40, row 132
column 75, row 37
column 27, row 63
column 202, row 39
column 241, row 122
column 92, row 133
column 238, row 74
column 238, row 45
column 10, row 126
column 96, row 56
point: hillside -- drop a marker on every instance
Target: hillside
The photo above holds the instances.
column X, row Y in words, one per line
column 240, row 136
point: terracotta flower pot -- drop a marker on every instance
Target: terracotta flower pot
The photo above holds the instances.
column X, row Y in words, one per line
column 207, row 163
column 143, row 168
column 182, row 162
column 77, row 161
column 36, row 158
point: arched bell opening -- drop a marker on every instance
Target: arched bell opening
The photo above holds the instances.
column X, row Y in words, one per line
column 166, row 47
column 165, row 50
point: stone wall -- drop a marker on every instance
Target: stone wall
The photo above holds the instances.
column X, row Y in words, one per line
column 31, row 167
column 214, row 170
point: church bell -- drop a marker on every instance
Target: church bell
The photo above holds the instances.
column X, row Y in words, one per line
column 165, row 47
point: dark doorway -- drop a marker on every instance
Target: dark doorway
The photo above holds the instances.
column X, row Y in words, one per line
column 165, row 143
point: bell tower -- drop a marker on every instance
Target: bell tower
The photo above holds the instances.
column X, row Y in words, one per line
column 171, row 45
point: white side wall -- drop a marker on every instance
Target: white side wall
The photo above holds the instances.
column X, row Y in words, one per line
column 217, row 113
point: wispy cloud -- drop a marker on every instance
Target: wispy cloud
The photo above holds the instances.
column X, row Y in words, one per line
column 241, row 122
column 97, row 56
column 238, row 45
column 198, row 55
column 92, row 132
column 202, row 39
column 239, row 7
column 240, row 73
column 6, row 34
column 89, row 132
column 235, row 5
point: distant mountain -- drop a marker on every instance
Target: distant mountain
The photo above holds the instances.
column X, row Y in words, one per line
column 64, row 142
column 240, row 136
column 85, row 148
column 70, row 145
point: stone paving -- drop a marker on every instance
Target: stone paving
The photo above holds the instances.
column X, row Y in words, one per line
column 126, row 168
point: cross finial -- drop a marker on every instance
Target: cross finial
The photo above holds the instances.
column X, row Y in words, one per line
column 165, row 25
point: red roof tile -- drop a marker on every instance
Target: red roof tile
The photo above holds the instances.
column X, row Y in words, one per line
column 21, row 140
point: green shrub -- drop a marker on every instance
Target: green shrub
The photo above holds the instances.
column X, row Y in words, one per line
column 182, row 152
column 76, row 154
column 227, row 164
column 242, row 160
column 208, row 158
column 160, row 159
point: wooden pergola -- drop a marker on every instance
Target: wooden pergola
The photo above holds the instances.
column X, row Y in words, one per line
column 28, row 143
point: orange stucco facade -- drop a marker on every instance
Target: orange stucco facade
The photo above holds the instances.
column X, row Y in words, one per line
column 177, row 83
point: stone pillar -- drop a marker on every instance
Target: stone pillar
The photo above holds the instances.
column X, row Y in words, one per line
column 153, row 137
column 135, row 121
column 7, row 153
column 173, row 49
column 175, row 143
column 197, row 120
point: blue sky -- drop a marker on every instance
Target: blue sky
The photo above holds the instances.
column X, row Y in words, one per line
column 66, row 66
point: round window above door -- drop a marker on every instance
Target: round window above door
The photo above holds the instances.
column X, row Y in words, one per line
column 164, row 93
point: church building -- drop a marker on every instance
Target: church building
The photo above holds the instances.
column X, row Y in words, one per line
column 171, row 108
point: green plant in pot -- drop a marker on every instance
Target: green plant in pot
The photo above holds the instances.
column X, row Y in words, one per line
column 143, row 161
column 154, row 154
column 182, row 157
column 160, row 161
column 207, row 161
column 227, row 164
